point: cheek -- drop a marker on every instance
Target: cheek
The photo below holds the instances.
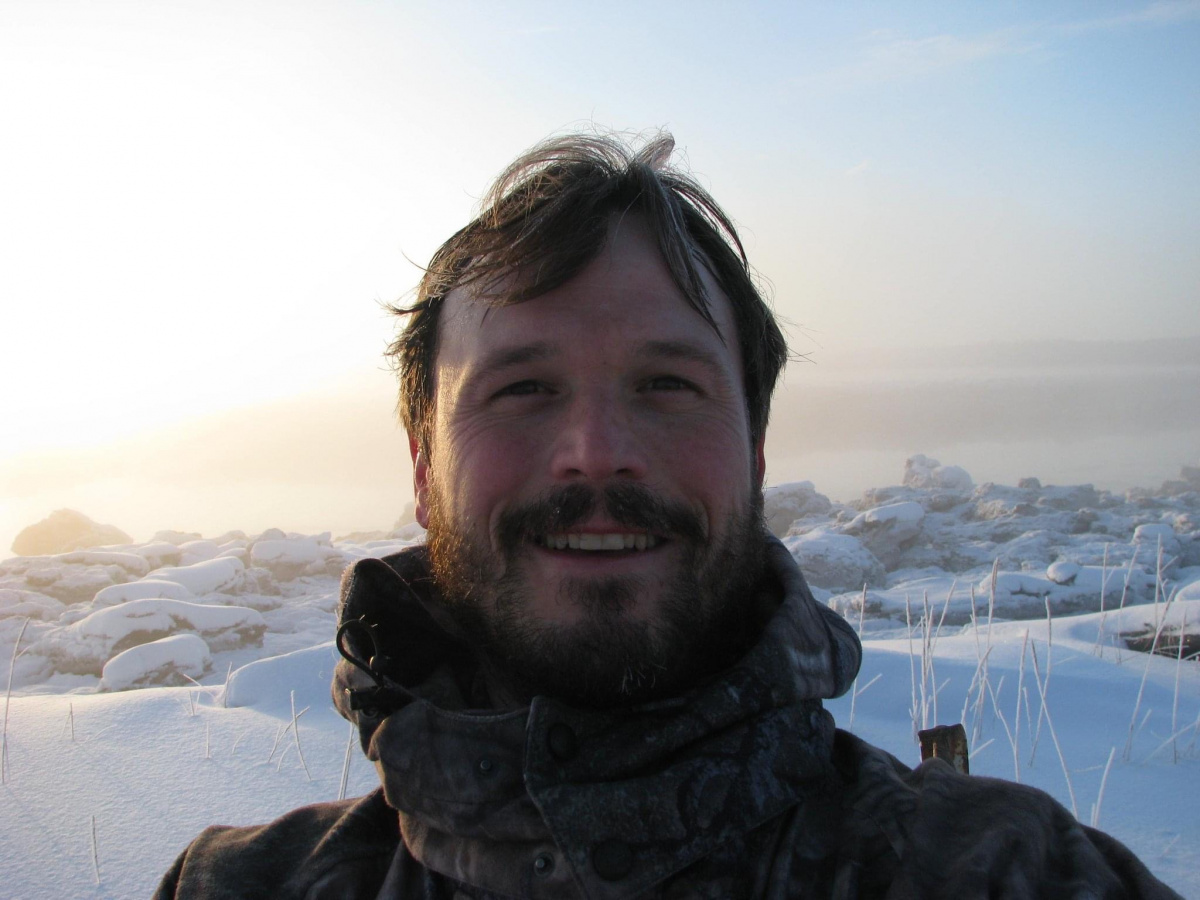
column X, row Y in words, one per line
column 715, row 470
column 485, row 470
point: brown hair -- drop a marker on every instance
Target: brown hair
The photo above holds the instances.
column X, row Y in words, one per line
column 547, row 216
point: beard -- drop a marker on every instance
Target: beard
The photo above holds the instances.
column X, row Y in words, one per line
column 706, row 613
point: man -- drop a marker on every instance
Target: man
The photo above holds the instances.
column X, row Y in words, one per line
column 602, row 678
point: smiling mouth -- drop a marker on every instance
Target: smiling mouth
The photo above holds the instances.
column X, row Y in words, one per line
column 602, row 543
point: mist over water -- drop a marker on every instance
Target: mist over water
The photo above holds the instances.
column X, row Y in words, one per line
column 1116, row 414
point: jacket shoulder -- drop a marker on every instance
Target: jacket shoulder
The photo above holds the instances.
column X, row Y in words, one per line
column 940, row 833
column 346, row 843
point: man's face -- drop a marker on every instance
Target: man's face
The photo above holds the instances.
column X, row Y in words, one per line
column 591, row 492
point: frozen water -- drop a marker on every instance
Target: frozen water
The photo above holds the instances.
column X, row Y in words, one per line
column 173, row 660
column 252, row 618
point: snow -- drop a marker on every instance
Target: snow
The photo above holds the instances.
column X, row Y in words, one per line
column 835, row 561
column 207, row 577
column 85, row 646
column 171, row 660
column 140, row 590
column 253, row 621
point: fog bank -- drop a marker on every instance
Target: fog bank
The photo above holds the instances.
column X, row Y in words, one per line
column 1117, row 414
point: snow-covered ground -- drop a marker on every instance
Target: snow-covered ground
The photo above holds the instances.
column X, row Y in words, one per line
column 983, row 604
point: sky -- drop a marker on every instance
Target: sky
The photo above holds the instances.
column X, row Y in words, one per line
column 207, row 204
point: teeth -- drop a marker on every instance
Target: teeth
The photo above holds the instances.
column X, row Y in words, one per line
column 609, row 542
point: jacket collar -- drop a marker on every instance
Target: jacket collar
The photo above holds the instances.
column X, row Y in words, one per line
column 552, row 800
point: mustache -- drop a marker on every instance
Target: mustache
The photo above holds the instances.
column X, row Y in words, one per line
column 632, row 505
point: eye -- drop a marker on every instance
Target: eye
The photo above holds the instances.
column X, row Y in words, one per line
column 522, row 389
column 669, row 383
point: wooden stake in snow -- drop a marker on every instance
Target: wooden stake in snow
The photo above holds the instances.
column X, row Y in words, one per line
column 7, row 700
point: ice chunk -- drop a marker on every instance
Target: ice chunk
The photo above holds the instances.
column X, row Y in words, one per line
column 267, row 683
column 887, row 530
column 140, row 590
column 289, row 557
column 168, row 661
column 783, row 504
column 191, row 552
column 1152, row 534
column 224, row 575
column 28, row 604
column 922, row 472
column 83, row 647
column 131, row 562
column 838, row 562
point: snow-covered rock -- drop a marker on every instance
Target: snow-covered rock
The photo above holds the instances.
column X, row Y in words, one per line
column 15, row 603
column 71, row 583
column 887, row 530
column 267, row 683
column 157, row 553
column 140, row 590
column 83, row 647
column 1150, row 535
column 297, row 555
column 783, row 504
column 838, row 562
column 1063, row 572
column 170, row 661
column 922, row 472
column 177, row 538
column 192, row 552
column 133, row 563
column 225, row 575
column 946, row 600
column 66, row 529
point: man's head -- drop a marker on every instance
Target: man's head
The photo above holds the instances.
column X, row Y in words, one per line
column 586, row 378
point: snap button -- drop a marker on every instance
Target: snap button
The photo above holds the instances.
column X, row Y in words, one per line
column 563, row 743
column 612, row 860
column 543, row 864
column 486, row 766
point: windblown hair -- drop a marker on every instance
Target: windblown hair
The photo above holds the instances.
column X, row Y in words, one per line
column 547, row 216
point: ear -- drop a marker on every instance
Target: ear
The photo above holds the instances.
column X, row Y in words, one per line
column 760, row 460
column 420, row 463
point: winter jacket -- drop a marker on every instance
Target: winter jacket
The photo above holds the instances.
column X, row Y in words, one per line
column 741, row 787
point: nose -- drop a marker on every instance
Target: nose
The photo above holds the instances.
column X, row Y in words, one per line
column 597, row 442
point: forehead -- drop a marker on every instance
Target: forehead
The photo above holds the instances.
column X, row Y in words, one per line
column 624, row 295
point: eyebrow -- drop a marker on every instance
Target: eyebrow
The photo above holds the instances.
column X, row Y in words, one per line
column 683, row 350
column 507, row 357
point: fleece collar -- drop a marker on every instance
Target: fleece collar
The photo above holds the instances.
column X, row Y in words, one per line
column 555, row 801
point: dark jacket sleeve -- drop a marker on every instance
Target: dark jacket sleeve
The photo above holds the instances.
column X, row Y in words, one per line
column 342, row 848
column 949, row 835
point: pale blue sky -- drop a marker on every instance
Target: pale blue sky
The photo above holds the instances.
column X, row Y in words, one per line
column 204, row 203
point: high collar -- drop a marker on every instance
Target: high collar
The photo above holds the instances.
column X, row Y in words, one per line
column 611, row 802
